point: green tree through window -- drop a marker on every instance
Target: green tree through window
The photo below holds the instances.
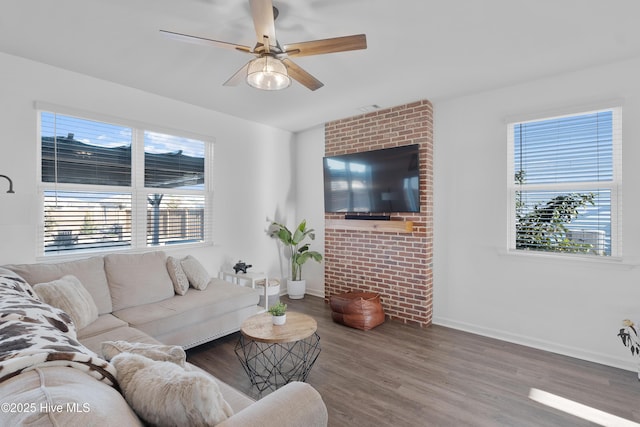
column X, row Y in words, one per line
column 544, row 227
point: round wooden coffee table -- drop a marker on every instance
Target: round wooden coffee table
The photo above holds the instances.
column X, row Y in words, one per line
column 273, row 355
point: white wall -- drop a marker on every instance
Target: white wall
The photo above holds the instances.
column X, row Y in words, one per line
column 309, row 150
column 251, row 181
column 568, row 306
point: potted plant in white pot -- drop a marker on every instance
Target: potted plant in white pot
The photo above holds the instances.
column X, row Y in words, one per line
column 299, row 254
column 278, row 313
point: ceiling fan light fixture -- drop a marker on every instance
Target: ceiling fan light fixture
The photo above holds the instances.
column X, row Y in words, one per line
column 268, row 73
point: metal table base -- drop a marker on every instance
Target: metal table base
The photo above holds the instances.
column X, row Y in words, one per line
column 272, row 365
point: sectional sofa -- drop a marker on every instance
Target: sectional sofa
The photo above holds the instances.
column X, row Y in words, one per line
column 52, row 373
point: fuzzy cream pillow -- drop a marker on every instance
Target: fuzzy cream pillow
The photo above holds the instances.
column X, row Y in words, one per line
column 179, row 279
column 158, row 352
column 164, row 394
column 70, row 296
column 198, row 276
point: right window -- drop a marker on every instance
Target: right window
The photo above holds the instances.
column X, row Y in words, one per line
column 565, row 183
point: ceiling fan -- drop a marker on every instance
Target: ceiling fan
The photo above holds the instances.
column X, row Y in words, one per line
column 272, row 69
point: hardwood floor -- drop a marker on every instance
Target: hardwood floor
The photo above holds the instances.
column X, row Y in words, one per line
column 399, row 375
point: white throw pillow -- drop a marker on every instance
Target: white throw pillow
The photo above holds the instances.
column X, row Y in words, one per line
column 70, row 296
column 158, row 352
column 164, row 394
column 197, row 275
column 179, row 279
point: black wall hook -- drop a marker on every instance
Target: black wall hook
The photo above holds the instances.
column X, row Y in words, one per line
column 10, row 183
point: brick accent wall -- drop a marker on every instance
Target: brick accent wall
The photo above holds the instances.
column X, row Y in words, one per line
column 396, row 265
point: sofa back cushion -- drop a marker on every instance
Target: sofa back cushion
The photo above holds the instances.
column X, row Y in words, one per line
column 89, row 271
column 136, row 279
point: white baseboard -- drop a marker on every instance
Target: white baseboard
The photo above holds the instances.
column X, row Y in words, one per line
column 602, row 359
column 312, row 292
column 315, row 293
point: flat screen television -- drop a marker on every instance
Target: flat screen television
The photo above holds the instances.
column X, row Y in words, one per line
column 378, row 181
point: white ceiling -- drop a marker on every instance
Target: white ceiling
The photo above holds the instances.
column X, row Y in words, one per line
column 417, row 49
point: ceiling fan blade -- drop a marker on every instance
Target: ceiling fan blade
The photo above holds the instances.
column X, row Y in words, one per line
column 263, row 21
column 203, row 41
column 297, row 73
column 238, row 77
column 318, row 47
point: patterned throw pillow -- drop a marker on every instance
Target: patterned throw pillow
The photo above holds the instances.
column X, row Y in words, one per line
column 179, row 279
column 198, row 276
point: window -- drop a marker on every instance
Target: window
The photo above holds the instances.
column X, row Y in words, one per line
column 107, row 186
column 565, row 184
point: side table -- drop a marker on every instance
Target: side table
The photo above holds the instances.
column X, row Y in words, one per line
column 272, row 355
column 242, row 279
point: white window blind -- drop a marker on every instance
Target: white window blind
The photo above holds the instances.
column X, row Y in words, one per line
column 77, row 221
column 173, row 218
column 174, row 164
column 84, row 151
column 565, row 183
column 108, row 186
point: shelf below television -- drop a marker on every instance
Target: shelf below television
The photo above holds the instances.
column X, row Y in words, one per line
column 370, row 225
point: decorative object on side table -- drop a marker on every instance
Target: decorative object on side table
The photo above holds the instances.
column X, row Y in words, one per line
column 299, row 253
column 278, row 313
column 629, row 337
column 241, row 266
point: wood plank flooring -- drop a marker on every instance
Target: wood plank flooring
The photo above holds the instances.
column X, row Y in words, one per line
column 399, row 375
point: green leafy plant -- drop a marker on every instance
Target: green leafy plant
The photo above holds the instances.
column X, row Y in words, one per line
column 294, row 242
column 544, row 227
column 278, row 309
column 629, row 337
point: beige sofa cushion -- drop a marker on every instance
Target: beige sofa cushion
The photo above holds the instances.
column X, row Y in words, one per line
column 92, row 402
column 89, row 271
column 68, row 294
column 126, row 333
column 137, row 279
column 193, row 308
column 165, row 394
column 103, row 323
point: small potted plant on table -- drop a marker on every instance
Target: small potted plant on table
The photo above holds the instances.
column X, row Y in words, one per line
column 278, row 313
column 299, row 254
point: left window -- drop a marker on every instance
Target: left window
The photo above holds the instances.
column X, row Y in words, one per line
column 107, row 186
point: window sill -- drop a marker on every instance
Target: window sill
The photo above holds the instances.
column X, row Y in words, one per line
column 557, row 257
column 86, row 254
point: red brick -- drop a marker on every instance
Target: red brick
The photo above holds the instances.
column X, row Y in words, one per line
column 396, row 265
